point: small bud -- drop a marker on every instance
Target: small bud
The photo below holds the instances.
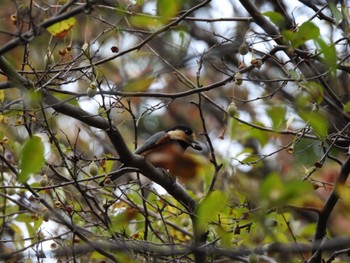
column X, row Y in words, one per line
column 53, row 245
column 69, row 209
column 91, row 92
column 107, row 181
column 11, row 191
column 243, row 49
column 232, row 109
column 86, row 48
column 93, row 85
column 5, row 120
column 19, row 121
column 238, row 78
column 35, row 217
column 13, row 18
column 58, row 204
column 318, row 165
column 291, row 52
column 114, row 49
column 290, row 121
column 315, row 186
column 93, row 169
column 103, row 163
column 257, row 63
column 253, row 258
column 49, row 58
column 43, row 181
column 46, row 215
column 62, row 52
column 185, row 222
column 32, row 198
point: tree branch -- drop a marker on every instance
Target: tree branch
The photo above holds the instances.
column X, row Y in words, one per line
column 323, row 217
column 29, row 35
column 154, row 174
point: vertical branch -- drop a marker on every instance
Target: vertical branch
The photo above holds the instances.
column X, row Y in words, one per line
column 143, row 186
column 205, row 131
column 323, row 217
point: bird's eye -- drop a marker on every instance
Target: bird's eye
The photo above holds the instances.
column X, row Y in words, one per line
column 188, row 132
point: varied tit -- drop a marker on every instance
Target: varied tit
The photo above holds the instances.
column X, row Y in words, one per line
column 165, row 149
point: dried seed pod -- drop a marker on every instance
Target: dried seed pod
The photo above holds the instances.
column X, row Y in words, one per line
column 257, row 63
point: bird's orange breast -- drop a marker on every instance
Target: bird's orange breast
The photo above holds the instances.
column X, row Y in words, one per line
column 164, row 155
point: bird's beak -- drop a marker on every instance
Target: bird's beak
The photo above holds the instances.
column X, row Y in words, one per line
column 195, row 145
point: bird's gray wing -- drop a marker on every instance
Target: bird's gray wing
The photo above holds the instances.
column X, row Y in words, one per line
column 155, row 139
column 151, row 142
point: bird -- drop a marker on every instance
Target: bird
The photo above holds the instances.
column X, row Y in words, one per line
column 165, row 149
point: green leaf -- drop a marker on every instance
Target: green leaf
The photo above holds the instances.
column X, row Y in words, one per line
column 276, row 18
column 121, row 221
column 250, row 157
column 277, row 115
column 24, row 218
column 34, row 99
column 140, row 85
column 315, row 91
column 245, row 154
column 31, row 158
column 68, row 98
column 317, row 120
column 308, row 230
column 167, row 9
column 209, row 208
column 306, row 31
column 135, row 197
column 294, row 74
column 329, row 53
column 338, row 16
column 296, row 189
column 182, row 36
column 146, row 22
column 260, row 135
column 347, row 107
column 272, row 188
column 274, row 192
column 2, row 95
column 27, row 218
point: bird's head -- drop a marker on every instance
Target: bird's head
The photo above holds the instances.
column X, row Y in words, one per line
column 185, row 136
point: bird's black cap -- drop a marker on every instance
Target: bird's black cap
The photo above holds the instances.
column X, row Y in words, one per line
column 184, row 128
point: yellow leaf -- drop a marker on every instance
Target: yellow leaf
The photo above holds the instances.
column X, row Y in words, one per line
column 60, row 29
column 140, row 85
column 2, row 95
column 144, row 22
